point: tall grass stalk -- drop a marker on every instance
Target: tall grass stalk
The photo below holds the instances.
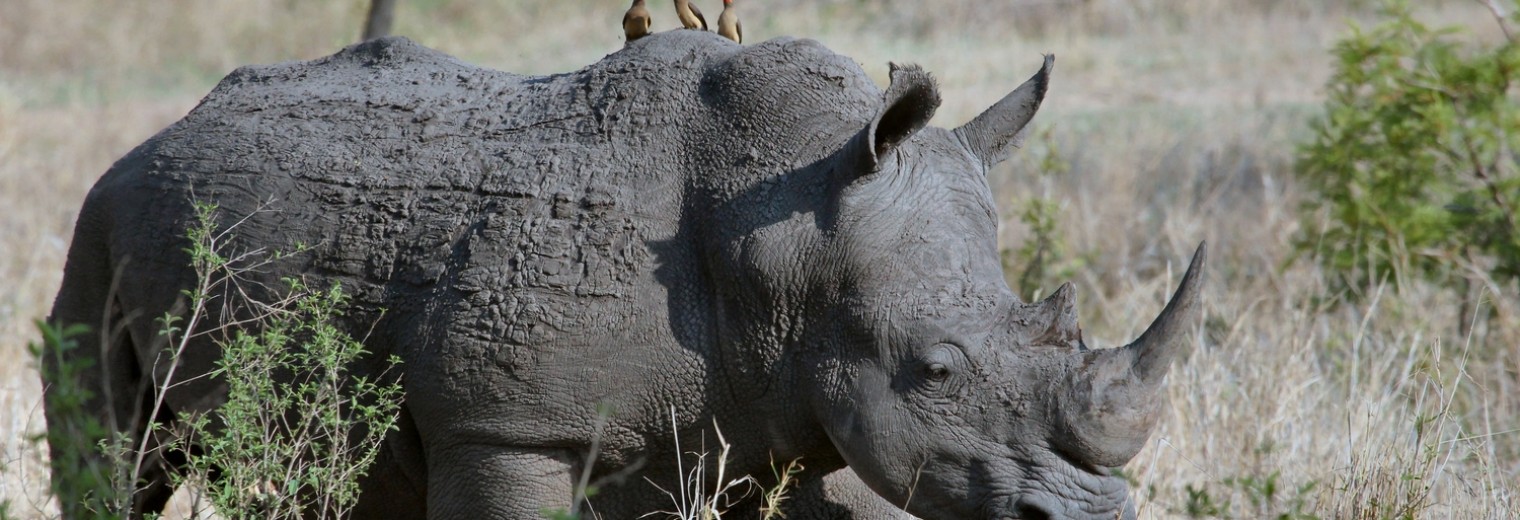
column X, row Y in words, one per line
column 693, row 498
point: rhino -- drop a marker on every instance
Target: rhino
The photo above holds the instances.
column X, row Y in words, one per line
column 689, row 233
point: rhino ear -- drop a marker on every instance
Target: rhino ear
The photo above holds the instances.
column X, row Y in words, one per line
column 910, row 102
column 993, row 133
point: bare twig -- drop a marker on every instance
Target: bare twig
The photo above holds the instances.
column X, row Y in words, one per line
column 1501, row 17
column 581, row 486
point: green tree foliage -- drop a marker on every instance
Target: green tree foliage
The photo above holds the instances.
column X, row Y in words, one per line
column 1414, row 159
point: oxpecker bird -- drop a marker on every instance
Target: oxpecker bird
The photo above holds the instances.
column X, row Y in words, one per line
column 728, row 23
column 691, row 17
column 636, row 21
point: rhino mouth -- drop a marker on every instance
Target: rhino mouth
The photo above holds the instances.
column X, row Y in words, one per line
column 1043, row 506
column 1061, row 488
column 1087, row 467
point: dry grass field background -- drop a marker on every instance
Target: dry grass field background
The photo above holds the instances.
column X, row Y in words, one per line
column 1178, row 119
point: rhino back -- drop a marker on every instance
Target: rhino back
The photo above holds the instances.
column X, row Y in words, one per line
column 517, row 231
column 399, row 165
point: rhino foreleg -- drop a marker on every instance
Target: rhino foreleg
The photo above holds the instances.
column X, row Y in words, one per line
column 840, row 496
column 469, row 481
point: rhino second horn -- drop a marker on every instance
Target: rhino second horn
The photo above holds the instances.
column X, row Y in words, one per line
column 1053, row 320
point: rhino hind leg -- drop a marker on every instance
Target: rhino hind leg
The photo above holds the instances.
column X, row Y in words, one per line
column 96, row 384
column 395, row 485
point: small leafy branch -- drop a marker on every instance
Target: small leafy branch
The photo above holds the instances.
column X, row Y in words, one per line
column 298, row 428
column 100, row 483
column 1415, row 158
column 1043, row 256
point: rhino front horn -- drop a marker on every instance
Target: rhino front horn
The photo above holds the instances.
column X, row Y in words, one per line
column 1113, row 399
column 1159, row 344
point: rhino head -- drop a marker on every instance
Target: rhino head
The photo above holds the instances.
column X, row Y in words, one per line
column 944, row 392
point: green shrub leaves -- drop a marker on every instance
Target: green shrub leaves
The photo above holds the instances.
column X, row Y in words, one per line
column 1414, row 158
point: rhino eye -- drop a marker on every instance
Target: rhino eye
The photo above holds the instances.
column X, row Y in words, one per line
column 937, row 371
column 939, row 362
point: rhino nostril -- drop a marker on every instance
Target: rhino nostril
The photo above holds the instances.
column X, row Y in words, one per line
column 1026, row 510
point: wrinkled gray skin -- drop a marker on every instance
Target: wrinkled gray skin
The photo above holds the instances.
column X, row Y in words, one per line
column 753, row 236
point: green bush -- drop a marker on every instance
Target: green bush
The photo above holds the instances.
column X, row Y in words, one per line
column 298, row 428
column 1414, row 158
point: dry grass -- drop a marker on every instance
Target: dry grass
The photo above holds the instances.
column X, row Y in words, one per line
column 1179, row 118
